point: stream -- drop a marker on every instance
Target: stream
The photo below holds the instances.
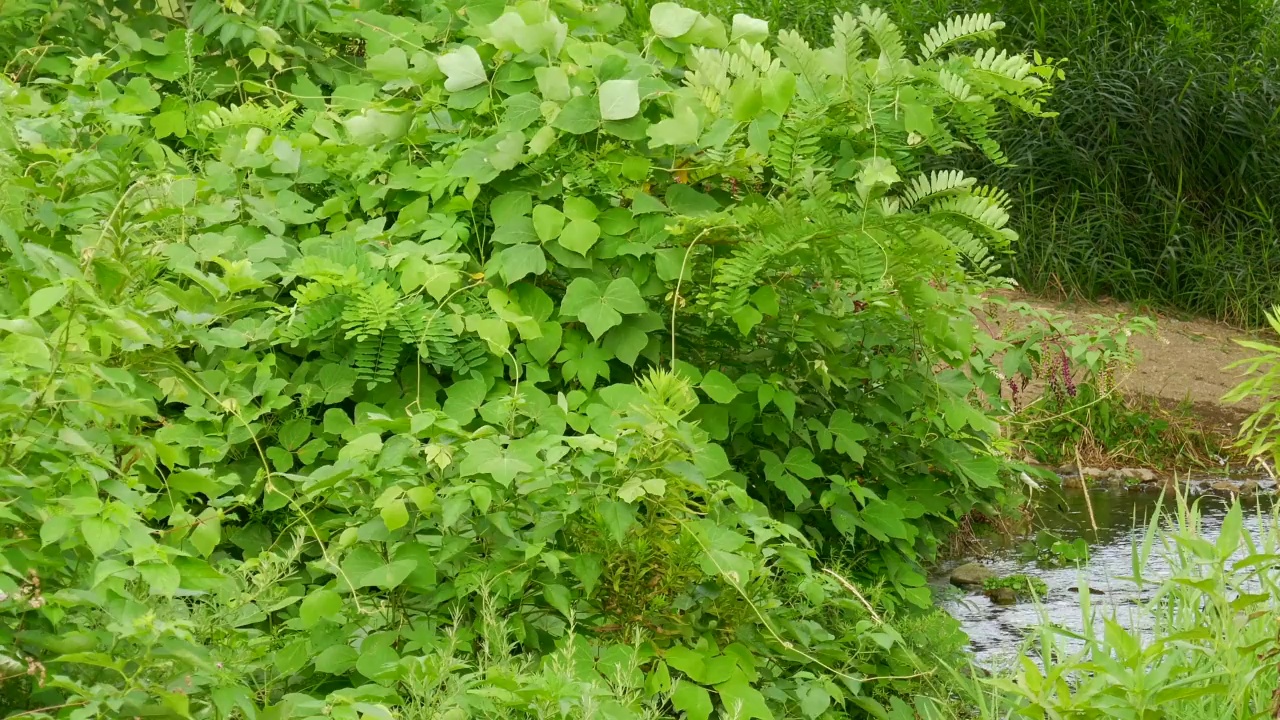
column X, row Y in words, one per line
column 997, row 632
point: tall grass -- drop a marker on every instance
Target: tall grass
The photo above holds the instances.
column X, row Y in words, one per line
column 1207, row 647
column 1160, row 179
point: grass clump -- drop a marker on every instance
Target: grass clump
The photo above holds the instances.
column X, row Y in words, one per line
column 1024, row 587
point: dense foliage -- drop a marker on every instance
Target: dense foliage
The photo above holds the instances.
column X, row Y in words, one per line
column 443, row 360
column 1157, row 180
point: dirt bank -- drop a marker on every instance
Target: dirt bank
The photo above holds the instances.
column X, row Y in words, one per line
column 1185, row 361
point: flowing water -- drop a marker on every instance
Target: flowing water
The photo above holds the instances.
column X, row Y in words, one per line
column 997, row 632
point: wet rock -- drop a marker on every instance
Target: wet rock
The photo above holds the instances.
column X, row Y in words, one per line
column 1145, row 475
column 1249, row 487
column 1092, row 472
column 1092, row 590
column 1002, row 596
column 1072, row 482
column 970, row 575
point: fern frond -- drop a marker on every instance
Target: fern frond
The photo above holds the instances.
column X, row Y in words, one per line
column 318, row 308
column 844, row 57
column 797, row 146
column 983, row 214
column 1012, row 73
column 375, row 357
column 807, row 65
column 886, row 35
column 926, row 187
column 959, row 28
column 752, row 61
column 955, row 86
column 371, row 311
column 709, row 77
column 269, row 117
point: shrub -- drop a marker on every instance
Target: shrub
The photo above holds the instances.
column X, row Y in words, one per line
column 484, row 361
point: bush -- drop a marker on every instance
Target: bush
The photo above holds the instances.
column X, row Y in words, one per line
column 488, row 361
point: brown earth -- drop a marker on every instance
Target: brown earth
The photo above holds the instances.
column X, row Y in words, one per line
column 1185, row 362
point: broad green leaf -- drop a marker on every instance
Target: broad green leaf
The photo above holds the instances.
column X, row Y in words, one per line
column 682, row 128
column 749, row 702
column 336, row 659
column 391, row 64
column 387, row 576
column 169, row 123
column 718, row 386
column 378, row 659
column 438, row 280
column 618, row 517
column 395, row 515
column 557, row 596
column 553, row 83
column 207, row 532
column 670, row 20
column 579, row 116
column 518, row 261
column 580, row 208
column 693, row 700
column 580, row 236
column 619, row 99
column 43, row 299
column 601, row 310
column 548, row 222
column 626, row 342
column 750, row 29
column 463, row 68
column 319, row 605
column 101, row 535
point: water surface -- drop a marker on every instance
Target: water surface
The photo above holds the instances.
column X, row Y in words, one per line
column 997, row 633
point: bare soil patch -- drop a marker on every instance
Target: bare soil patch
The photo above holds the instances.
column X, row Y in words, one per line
column 1184, row 363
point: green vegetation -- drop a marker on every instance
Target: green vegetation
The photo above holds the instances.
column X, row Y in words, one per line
column 1260, row 432
column 443, row 360
column 1024, row 587
column 419, row 360
column 1209, row 647
column 1157, row 180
